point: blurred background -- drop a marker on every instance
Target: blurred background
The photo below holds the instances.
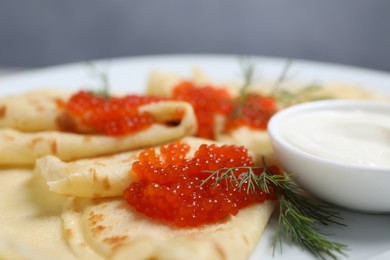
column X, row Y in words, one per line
column 37, row 33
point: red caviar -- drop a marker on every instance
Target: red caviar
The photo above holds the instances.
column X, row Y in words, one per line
column 254, row 113
column 112, row 116
column 207, row 101
column 210, row 101
column 169, row 187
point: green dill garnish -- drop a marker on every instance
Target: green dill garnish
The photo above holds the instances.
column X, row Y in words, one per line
column 298, row 215
column 248, row 70
column 307, row 93
column 282, row 76
column 283, row 96
column 102, row 78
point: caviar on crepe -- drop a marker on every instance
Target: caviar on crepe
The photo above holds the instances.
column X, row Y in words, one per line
column 207, row 101
column 210, row 101
column 90, row 113
column 254, row 113
column 171, row 188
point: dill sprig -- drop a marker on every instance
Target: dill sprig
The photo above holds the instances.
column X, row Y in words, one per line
column 283, row 96
column 286, row 97
column 309, row 92
column 103, row 79
column 282, row 76
column 298, row 215
column 247, row 67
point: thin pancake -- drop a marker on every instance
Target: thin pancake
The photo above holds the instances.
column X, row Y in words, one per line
column 22, row 148
column 30, row 224
column 90, row 178
column 161, row 83
column 32, row 111
column 98, row 177
column 109, row 228
column 256, row 141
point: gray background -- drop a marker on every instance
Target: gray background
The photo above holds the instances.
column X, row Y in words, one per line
column 36, row 33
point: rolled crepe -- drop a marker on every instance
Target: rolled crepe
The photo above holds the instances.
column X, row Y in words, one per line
column 256, row 140
column 102, row 177
column 91, row 178
column 23, row 148
column 30, row 223
column 162, row 83
column 108, row 228
column 32, row 111
column 97, row 222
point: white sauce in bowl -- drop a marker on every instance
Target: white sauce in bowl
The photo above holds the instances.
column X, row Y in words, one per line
column 350, row 136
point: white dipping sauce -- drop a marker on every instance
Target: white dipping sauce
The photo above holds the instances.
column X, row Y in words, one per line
column 349, row 136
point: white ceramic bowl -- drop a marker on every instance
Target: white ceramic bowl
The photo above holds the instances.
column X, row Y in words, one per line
column 351, row 186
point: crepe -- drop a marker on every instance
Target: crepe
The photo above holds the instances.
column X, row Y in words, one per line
column 90, row 178
column 43, row 219
column 110, row 229
column 36, row 110
column 101, row 177
column 257, row 141
column 30, row 226
column 99, row 224
column 24, row 137
column 162, row 83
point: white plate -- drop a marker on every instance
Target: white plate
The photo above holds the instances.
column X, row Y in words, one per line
column 368, row 236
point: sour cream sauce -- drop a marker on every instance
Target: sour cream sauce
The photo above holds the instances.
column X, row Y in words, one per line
column 353, row 136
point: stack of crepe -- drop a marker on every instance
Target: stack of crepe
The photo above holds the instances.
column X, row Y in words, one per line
column 62, row 191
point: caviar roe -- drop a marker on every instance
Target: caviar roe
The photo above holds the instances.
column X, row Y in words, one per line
column 209, row 101
column 254, row 113
column 111, row 116
column 169, row 185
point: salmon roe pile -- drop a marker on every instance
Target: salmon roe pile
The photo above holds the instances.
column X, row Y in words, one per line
column 209, row 101
column 111, row 116
column 169, row 186
column 254, row 113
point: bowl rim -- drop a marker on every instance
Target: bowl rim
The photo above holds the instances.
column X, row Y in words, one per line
column 324, row 105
